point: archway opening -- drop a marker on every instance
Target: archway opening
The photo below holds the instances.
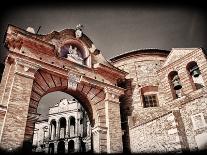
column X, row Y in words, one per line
column 62, row 128
column 71, row 146
column 195, row 76
column 53, row 129
column 175, row 84
column 67, row 120
column 51, row 148
column 61, row 147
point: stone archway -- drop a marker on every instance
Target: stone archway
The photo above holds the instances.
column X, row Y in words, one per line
column 33, row 69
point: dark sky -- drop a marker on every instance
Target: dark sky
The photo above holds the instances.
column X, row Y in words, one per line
column 50, row 100
column 113, row 29
column 117, row 29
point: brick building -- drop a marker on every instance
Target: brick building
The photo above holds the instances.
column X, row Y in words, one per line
column 147, row 100
column 164, row 98
column 67, row 129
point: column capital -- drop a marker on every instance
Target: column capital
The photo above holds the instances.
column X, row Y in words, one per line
column 117, row 91
column 113, row 94
column 26, row 68
column 99, row 129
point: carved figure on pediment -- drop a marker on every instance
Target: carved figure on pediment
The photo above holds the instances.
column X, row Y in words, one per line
column 72, row 52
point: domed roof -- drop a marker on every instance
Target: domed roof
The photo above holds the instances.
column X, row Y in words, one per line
column 141, row 51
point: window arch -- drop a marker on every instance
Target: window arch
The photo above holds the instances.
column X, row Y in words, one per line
column 62, row 129
column 149, row 96
column 71, row 147
column 175, row 84
column 61, row 147
column 72, row 126
column 51, row 148
column 195, row 75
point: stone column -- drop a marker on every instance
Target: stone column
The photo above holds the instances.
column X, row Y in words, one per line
column 67, row 128
column 66, row 147
column 50, row 131
column 14, row 124
column 99, row 142
column 113, row 121
column 55, row 147
column 77, row 127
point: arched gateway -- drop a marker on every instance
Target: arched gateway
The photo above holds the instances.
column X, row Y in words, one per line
column 59, row 61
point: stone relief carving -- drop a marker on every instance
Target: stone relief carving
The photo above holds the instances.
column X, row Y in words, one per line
column 78, row 32
column 72, row 52
column 198, row 121
column 73, row 80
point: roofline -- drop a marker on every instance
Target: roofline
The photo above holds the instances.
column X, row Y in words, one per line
column 140, row 51
column 43, row 120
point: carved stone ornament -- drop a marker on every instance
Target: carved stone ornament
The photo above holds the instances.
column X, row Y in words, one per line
column 78, row 32
column 72, row 52
column 73, row 80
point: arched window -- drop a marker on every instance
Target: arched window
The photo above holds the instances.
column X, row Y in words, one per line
column 61, row 147
column 51, row 148
column 195, row 75
column 149, row 96
column 71, row 146
column 62, row 129
column 72, row 126
column 175, row 84
column 52, row 129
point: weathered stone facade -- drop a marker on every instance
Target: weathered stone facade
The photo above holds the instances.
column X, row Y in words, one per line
column 147, row 100
column 168, row 126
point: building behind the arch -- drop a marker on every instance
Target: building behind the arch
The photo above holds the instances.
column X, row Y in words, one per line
column 67, row 123
column 147, row 100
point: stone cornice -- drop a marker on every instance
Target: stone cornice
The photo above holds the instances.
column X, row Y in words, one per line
column 25, row 68
column 27, row 64
column 132, row 53
column 111, row 70
column 102, row 85
column 15, row 30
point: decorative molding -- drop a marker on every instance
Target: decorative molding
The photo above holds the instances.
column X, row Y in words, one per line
column 27, row 64
column 198, row 121
column 113, row 94
column 29, row 68
column 73, row 80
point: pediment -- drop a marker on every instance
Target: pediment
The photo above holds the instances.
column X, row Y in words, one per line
column 61, row 48
column 177, row 53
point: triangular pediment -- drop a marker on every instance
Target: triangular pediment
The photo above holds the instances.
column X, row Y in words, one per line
column 178, row 53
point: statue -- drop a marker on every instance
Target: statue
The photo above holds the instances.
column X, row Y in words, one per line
column 72, row 52
column 78, row 32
